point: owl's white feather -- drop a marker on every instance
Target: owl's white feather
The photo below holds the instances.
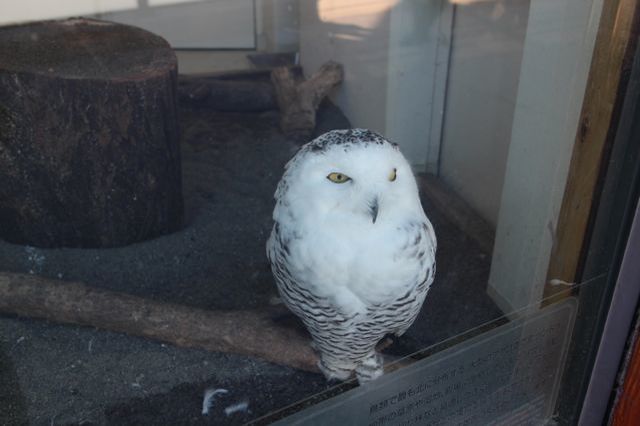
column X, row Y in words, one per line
column 354, row 260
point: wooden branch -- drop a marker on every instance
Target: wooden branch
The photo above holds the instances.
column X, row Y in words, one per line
column 248, row 332
column 320, row 84
column 299, row 101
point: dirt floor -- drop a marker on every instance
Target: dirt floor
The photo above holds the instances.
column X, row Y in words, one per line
column 60, row 374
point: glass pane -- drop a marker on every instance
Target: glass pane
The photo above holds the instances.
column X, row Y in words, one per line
column 452, row 180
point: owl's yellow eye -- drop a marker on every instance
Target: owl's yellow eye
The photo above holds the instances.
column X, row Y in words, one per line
column 392, row 175
column 338, row 177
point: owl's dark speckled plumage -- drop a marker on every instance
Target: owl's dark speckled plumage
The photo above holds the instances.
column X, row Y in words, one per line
column 350, row 272
column 346, row 139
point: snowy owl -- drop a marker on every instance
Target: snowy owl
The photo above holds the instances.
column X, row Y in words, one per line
column 351, row 250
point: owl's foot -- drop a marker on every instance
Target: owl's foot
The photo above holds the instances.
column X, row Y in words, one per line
column 334, row 372
column 370, row 368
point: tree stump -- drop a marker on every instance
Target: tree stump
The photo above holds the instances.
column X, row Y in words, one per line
column 89, row 149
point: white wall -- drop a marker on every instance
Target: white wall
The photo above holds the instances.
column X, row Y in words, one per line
column 228, row 24
column 359, row 39
column 557, row 56
column 389, row 50
column 32, row 10
column 230, row 27
column 278, row 25
column 419, row 45
column 484, row 69
column 203, row 24
column 277, row 30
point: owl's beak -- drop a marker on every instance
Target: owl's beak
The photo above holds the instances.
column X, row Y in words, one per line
column 373, row 209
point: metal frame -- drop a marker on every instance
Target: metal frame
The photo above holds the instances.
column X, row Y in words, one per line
column 605, row 301
column 626, row 293
column 616, row 332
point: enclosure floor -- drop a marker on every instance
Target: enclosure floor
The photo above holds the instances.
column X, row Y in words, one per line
column 57, row 374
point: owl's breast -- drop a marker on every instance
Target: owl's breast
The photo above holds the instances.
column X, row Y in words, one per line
column 374, row 263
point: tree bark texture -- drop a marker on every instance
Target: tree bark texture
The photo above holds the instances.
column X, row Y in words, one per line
column 259, row 333
column 89, row 148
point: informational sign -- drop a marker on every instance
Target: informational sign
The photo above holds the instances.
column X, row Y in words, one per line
column 509, row 375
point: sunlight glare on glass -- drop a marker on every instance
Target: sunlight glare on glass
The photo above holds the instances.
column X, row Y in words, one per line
column 363, row 13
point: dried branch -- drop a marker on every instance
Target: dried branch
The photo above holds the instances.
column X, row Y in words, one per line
column 248, row 332
column 299, row 101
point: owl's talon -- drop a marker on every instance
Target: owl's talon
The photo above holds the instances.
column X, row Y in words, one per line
column 370, row 369
column 333, row 372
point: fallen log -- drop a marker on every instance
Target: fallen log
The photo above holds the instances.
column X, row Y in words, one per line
column 260, row 332
column 236, row 91
column 227, row 95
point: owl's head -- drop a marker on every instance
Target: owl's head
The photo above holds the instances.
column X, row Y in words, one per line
column 354, row 175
